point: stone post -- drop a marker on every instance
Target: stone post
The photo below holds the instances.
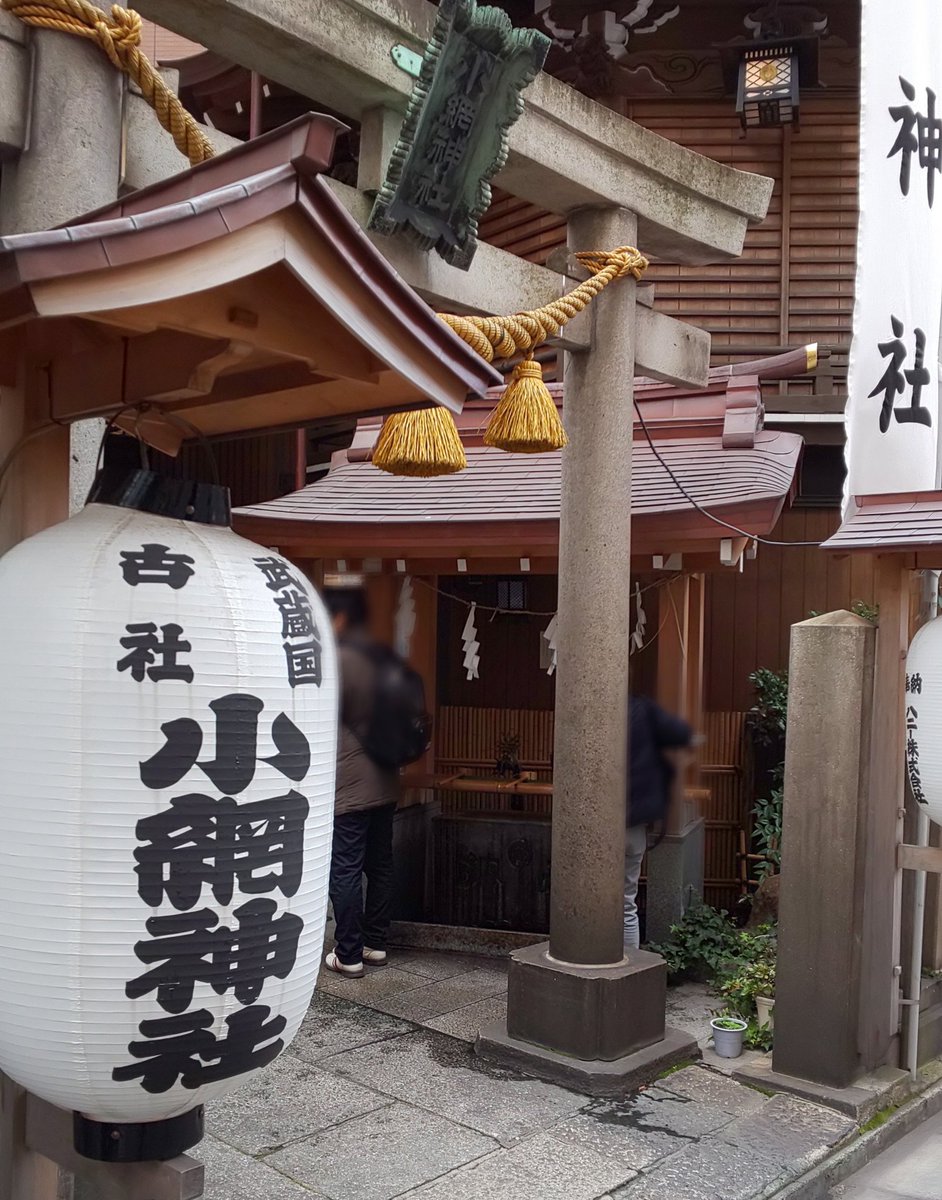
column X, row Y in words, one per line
column 578, row 1010
column 69, row 165
column 594, row 620
column 819, row 976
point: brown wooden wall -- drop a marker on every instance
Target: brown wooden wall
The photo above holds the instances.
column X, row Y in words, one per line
column 794, row 283
column 749, row 616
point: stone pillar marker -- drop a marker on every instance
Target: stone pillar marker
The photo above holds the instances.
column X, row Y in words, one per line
column 579, row 1011
column 826, row 791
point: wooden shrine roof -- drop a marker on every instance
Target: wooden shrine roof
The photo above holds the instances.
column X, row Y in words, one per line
column 712, row 441
column 907, row 523
column 237, row 296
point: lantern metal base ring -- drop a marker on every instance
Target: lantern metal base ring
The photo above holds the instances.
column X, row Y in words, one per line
column 143, row 1141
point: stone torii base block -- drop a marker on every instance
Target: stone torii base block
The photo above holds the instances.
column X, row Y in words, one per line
column 597, row 1029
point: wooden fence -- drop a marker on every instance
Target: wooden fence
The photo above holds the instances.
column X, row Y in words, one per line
column 467, row 743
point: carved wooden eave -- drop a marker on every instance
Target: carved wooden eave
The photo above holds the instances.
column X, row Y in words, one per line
column 238, row 296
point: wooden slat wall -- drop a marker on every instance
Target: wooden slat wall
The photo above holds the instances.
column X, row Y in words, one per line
column 794, row 282
column 254, row 469
column 749, row 616
column 739, row 302
column 723, row 771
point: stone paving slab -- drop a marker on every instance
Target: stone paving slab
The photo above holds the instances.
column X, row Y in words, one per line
column 465, row 1023
column 708, row 1170
column 443, row 1075
column 440, row 965
column 446, row 995
column 382, row 1154
column 234, row 1176
column 707, row 1087
column 799, row 1134
column 289, row 1100
column 375, row 985
column 641, row 1129
column 334, row 1024
column 540, row 1167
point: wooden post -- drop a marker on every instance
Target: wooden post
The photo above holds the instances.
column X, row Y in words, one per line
column 880, row 928
column 675, row 867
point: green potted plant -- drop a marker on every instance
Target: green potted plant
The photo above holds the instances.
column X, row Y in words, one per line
column 728, row 1033
column 750, row 989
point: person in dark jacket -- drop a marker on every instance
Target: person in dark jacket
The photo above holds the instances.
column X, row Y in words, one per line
column 364, row 804
column 655, row 737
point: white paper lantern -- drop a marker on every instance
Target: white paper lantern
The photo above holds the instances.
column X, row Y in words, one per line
column 924, row 718
column 168, row 733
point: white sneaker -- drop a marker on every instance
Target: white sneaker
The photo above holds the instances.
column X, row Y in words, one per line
column 347, row 970
column 374, row 958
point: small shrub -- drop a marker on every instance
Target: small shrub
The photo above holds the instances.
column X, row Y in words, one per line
column 700, row 944
column 767, row 826
column 768, row 715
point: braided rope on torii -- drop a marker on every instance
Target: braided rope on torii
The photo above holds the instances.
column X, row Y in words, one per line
column 119, row 36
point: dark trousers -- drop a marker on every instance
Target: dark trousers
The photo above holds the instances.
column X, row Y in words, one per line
column 362, row 846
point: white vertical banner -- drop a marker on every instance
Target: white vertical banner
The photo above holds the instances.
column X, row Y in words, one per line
column 893, row 406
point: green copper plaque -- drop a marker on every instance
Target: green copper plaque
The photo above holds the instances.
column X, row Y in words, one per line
column 454, row 137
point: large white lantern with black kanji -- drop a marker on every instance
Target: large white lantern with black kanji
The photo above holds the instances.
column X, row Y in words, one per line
column 168, row 733
column 924, row 718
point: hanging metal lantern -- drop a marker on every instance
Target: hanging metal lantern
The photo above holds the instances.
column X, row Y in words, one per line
column 768, row 86
column 924, row 718
column 168, row 732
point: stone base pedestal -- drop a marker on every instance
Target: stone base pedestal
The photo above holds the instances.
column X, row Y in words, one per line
column 593, row 1078
column 598, row 1029
column 675, row 873
column 863, row 1099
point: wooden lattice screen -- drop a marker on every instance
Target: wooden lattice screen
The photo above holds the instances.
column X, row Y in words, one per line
column 467, row 740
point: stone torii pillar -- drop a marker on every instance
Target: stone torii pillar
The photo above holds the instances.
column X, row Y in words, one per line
column 580, row 1010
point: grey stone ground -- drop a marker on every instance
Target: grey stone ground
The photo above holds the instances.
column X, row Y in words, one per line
column 381, row 1096
column 910, row 1170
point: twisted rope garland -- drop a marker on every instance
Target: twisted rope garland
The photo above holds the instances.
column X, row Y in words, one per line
column 503, row 337
column 525, row 420
column 119, row 36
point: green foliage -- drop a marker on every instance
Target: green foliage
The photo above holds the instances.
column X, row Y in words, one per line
column 728, row 1022
column 700, row 944
column 757, row 1037
column 767, row 825
column 860, row 608
column 768, row 715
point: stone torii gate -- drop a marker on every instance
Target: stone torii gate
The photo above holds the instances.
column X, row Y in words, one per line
column 578, row 1009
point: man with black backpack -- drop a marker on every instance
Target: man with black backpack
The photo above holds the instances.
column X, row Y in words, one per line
column 383, row 726
column 654, row 737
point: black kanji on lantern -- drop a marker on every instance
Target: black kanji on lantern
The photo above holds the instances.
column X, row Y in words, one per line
column 201, row 840
column 233, row 768
column 154, row 655
column 302, row 645
column 919, row 134
column 184, row 1049
column 278, row 574
column 893, row 381
column 914, row 683
column 187, row 948
column 304, row 663
column 297, row 616
column 154, row 563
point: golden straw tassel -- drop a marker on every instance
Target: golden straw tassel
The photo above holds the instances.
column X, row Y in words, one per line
column 421, row 443
column 526, row 420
